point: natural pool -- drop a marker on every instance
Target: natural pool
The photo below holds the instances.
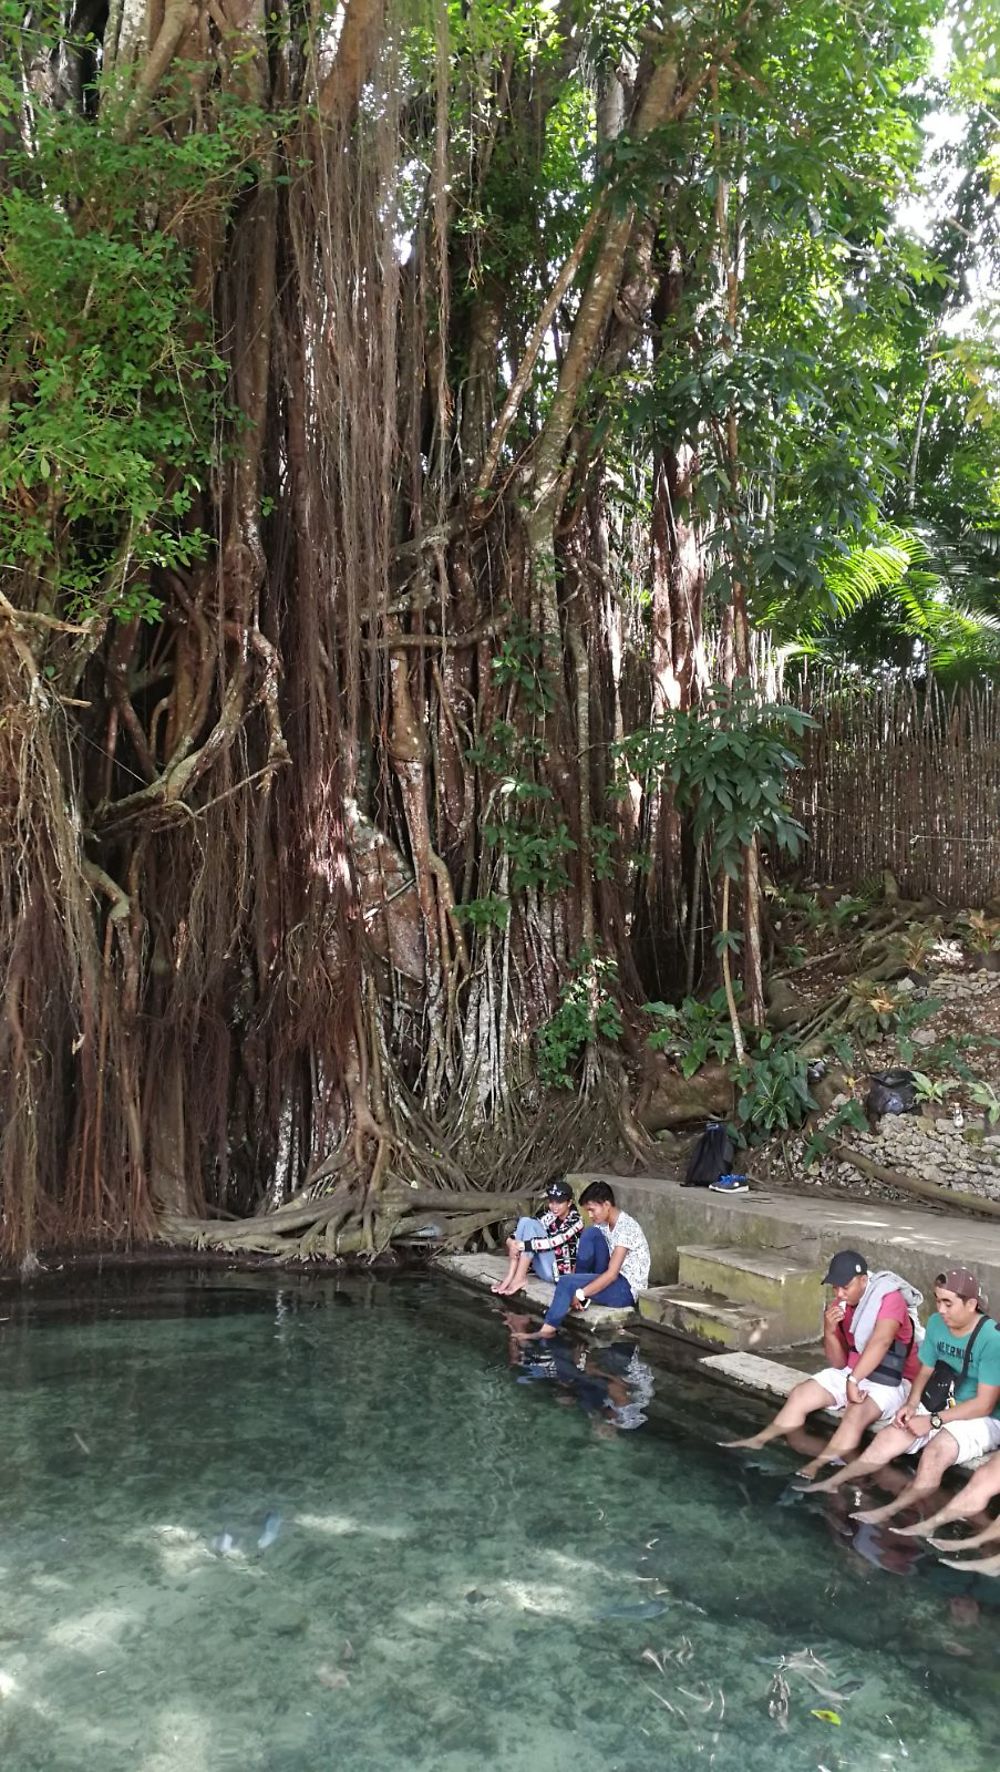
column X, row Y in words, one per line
column 474, row 1566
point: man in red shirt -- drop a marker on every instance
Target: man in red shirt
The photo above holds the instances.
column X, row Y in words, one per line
column 870, row 1342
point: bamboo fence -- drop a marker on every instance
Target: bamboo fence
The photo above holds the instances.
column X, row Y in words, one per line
column 904, row 777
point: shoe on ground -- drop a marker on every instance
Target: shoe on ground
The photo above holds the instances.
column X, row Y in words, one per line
column 729, row 1184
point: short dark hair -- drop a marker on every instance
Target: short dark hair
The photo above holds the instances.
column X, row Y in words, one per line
column 598, row 1194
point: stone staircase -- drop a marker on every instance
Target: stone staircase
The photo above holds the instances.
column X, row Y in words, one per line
column 740, row 1299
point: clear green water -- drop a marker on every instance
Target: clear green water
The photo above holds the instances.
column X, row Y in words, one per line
column 468, row 1570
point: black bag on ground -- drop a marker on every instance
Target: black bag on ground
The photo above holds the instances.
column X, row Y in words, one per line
column 939, row 1391
column 712, row 1156
column 891, row 1092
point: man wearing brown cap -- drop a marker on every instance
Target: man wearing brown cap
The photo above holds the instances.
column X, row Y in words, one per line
column 952, row 1414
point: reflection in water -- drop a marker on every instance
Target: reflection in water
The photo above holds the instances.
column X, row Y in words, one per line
column 613, row 1384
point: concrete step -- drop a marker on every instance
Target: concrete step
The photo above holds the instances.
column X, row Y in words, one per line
column 482, row 1270
column 787, row 1286
column 711, row 1319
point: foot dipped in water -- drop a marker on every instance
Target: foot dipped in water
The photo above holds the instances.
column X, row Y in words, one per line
column 545, row 1333
column 916, row 1529
column 876, row 1516
column 974, row 1566
column 755, row 1443
column 826, row 1485
column 806, row 1477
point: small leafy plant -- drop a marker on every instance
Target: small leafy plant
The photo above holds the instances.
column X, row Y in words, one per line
column 986, row 1097
column 728, row 762
column 985, row 931
column 933, row 1089
column 774, row 1093
column 819, row 1142
column 588, row 1010
column 693, row 1032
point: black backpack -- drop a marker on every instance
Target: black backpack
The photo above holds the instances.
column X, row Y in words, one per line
column 891, row 1092
column 712, row 1156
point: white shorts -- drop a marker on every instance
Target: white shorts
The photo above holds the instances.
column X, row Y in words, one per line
column 889, row 1397
column 973, row 1438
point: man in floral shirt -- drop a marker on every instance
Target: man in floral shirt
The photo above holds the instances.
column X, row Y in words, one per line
column 545, row 1245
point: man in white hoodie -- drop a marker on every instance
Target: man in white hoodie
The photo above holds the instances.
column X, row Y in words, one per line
column 871, row 1341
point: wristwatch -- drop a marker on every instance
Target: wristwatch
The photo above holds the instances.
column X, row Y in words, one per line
column 936, row 1421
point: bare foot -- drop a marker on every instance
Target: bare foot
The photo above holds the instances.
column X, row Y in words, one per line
column 810, row 1471
column 829, row 1485
column 873, row 1516
column 753, row 1444
column 499, row 1289
column 987, row 1536
column 919, row 1529
column 985, row 1565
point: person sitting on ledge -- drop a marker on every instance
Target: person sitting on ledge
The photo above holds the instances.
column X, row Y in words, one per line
column 975, row 1498
column 547, row 1245
column 612, row 1263
column 870, row 1342
column 961, row 1354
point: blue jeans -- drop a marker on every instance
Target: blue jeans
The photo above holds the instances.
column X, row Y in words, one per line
column 544, row 1262
column 593, row 1257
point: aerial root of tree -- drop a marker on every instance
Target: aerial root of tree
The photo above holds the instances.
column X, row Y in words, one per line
column 445, row 1186
column 316, row 659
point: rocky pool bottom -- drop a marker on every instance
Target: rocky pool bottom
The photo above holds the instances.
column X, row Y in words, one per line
column 293, row 1526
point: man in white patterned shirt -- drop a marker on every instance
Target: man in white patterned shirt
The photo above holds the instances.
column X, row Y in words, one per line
column 612, row 1263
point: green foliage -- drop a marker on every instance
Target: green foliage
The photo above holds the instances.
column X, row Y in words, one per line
column 114, row 387
column 818, row 1144
column 984, row 932
column 587, row 1010
column 773, row 1092
column 490, row 912
column 875, row 1008
column 986, row 1097
column 520, row 662
column 933, row 1089
column 694, row 1032
column 536, row 853
column 728, row 762
column 772, row 1082
column 908, row 1016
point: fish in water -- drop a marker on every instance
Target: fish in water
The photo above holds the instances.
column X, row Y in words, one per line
column 640, row 1609
column 224, row 1545
column 778, row 1696
column 269, row 1531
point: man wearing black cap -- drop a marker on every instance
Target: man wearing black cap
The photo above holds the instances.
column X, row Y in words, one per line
column 870, row 1342
column 545, row 1245
column 952, row 1414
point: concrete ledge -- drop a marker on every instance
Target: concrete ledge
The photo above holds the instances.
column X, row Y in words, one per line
column 752, row 1372
column 483, row 1271
column 810, row 1228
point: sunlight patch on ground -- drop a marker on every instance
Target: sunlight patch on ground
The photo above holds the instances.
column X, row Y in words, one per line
column 553, row 1602
column 343, row 1526
column 91, row 1630
column 185, row 1745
